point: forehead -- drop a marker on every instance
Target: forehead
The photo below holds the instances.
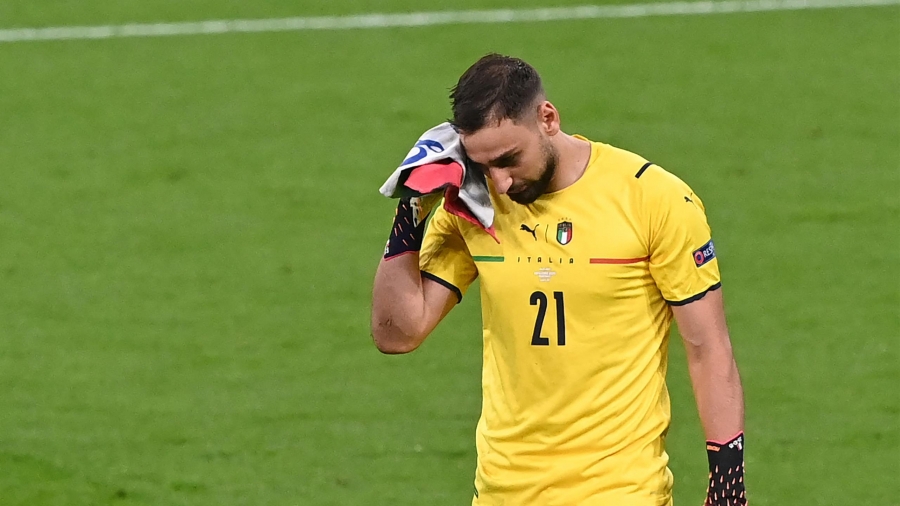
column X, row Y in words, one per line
column 496, row 139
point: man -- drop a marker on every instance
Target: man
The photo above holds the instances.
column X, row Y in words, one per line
column 599, row 250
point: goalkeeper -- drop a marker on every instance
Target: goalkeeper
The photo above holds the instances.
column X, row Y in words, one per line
column 599, row 250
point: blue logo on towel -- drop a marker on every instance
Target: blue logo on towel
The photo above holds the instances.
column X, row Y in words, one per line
column 706, row 253
column 421, row 151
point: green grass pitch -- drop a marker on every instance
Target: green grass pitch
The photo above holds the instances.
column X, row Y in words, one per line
column 189, row 227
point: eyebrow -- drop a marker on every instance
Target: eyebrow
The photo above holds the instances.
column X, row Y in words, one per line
column 507, row 157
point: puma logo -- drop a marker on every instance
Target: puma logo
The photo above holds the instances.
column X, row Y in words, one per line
column 532, row 231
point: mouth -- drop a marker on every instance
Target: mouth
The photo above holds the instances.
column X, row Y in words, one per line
column 522, row 196
column 519, row 190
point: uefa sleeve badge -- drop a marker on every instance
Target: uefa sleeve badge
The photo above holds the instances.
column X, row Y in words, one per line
column 704, row 254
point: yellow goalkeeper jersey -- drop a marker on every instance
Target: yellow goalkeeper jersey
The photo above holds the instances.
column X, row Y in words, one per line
column 575, row 310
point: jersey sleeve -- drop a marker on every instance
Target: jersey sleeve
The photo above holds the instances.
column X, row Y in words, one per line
column 682, row 254
column 445, row 257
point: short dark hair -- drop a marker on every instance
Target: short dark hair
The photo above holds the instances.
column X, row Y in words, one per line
column 495, row 88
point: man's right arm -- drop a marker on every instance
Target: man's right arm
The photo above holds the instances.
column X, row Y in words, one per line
column 421, row 277
column 406, row 306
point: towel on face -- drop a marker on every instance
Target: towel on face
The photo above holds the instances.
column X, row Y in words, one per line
column 437, row 163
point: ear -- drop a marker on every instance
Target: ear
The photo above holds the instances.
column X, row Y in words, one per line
column 548, row 118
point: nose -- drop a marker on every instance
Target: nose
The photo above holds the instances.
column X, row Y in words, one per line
column 502, row 180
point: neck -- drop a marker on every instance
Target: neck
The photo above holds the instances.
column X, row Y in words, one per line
column 574, row 155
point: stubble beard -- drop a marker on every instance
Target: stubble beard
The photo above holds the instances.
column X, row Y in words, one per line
column 534, row 189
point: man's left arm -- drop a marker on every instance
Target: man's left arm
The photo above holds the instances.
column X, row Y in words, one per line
column 684, row 266
column 719, row 395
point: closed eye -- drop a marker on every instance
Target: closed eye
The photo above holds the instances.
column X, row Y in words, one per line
column 506, row 161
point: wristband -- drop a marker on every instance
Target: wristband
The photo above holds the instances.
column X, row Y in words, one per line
column 726, row 473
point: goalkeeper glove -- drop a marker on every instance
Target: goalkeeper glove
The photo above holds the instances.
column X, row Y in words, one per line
column 409, row 224
column 726, row 473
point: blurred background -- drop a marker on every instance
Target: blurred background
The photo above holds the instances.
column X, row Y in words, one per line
column 189, row 228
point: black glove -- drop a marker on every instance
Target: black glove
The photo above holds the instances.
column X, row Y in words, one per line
column 409, row 225
column 726, row 473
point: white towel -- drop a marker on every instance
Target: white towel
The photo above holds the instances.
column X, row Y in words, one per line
column 440, row 154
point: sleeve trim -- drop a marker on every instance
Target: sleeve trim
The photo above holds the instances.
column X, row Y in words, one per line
column 445, row 284
column 641, row 172
column 695, row 297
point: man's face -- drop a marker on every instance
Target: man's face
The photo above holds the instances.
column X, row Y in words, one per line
column 517, row 157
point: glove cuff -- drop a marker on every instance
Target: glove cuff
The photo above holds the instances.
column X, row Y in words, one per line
column 726, row 473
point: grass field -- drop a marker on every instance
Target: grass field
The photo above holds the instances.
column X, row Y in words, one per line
column 189, row 227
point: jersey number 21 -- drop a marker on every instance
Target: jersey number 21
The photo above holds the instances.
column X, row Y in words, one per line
column 540, row 299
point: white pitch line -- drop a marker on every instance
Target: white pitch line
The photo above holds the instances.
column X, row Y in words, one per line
column 425, row 19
